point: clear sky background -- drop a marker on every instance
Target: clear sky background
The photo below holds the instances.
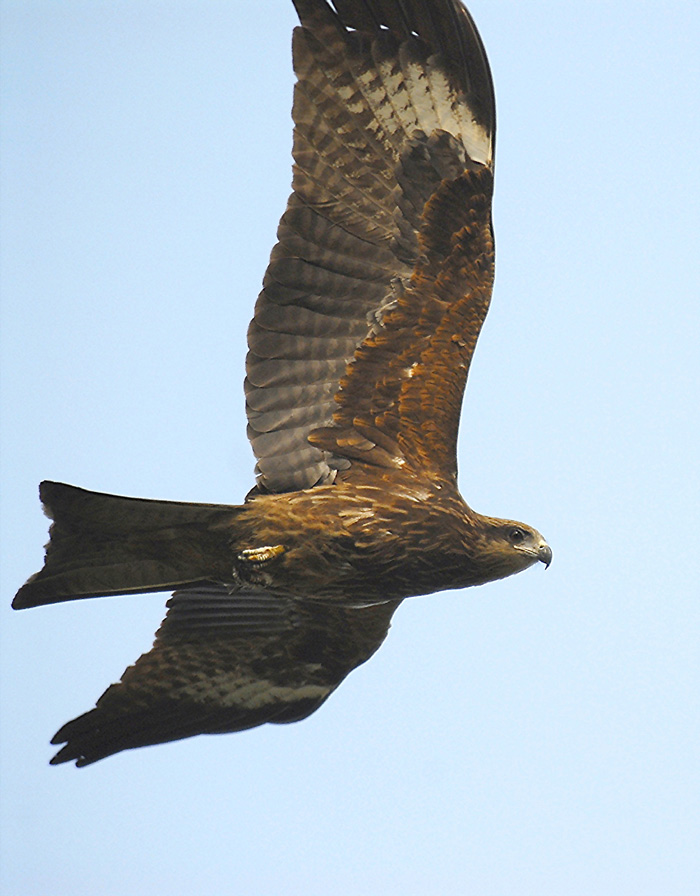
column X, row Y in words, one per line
column 536, row 736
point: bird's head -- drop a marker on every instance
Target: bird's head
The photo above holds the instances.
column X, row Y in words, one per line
column 504, row 547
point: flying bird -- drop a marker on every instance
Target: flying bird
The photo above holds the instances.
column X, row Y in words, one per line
column 359, row 351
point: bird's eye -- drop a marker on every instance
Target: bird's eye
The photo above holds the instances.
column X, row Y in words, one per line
column 517, row 536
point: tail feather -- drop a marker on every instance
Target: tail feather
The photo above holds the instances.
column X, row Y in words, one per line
column 107, row 544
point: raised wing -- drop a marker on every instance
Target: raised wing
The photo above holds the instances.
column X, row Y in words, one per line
column 378, row 286
column 225, row 662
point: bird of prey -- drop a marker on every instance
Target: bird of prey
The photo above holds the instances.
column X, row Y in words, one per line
column 359, row 351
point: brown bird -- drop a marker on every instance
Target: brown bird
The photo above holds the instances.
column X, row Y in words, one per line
column 358, row 357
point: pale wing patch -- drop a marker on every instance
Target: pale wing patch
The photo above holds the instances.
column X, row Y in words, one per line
column 231, row 690
column 456, row 116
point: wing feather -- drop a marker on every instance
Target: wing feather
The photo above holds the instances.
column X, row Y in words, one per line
column 225, row 662
column 393, row 101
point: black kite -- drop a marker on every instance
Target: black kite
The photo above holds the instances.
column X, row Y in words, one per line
column 359, row 352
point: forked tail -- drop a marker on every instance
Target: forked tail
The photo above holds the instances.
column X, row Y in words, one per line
column 106, row 544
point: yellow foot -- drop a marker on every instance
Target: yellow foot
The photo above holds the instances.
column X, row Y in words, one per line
column 258, row 556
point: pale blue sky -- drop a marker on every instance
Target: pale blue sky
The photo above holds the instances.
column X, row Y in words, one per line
column 536, row 736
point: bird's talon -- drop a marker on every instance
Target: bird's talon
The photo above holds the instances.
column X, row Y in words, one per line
column 258, row 556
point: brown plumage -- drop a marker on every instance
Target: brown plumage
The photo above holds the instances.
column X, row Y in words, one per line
column 359, row 353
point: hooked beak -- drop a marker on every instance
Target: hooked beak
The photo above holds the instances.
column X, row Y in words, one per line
column 545, row 554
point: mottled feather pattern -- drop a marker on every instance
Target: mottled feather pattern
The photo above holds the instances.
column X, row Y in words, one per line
column 382, row 117
column 408, row 378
